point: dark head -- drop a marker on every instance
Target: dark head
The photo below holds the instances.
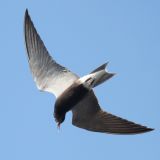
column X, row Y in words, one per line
column 59, row 119
column 67, row 100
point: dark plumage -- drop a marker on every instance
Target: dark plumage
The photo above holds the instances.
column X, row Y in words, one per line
column 73, row 93
column 68, row 99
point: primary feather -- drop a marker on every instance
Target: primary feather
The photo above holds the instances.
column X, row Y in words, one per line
column 47, row 73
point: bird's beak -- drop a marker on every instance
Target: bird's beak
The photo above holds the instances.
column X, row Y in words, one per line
column 58, row 125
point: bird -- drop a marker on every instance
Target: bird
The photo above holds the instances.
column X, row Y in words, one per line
column 73, row 93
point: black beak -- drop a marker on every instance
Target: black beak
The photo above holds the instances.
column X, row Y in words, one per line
column 58, row 125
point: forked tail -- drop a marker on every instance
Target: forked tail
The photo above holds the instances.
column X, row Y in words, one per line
column 104, row 74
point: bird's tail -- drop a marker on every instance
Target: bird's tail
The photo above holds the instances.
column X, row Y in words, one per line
column 101, row 74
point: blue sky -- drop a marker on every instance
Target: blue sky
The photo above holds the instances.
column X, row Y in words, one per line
column 81, row 35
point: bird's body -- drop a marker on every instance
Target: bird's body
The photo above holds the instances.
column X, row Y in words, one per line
column 68, row 99
column 72, row 92
column 77, row 91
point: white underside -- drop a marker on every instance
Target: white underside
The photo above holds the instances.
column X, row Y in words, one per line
column 94, row 76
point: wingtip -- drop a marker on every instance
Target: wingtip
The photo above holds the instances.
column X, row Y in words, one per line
column 27, row 18
column 150, row 129
column 26, row 14
column 146, row 129
column 26, row 10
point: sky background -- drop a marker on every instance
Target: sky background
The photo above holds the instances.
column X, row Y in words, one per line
column 81, row 35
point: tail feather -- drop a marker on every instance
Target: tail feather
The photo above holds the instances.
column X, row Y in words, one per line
column 102, row 67
column 106, row 74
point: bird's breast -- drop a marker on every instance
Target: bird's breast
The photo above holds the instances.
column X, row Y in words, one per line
column 69, row 98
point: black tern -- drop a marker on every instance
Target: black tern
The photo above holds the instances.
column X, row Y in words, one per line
column 72, row 92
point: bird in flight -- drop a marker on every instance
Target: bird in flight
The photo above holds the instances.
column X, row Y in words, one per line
column 73, row 93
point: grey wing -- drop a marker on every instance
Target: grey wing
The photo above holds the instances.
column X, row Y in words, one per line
column 48, row 75
column 88, row 115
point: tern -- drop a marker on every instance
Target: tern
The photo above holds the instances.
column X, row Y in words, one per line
column 73, row 93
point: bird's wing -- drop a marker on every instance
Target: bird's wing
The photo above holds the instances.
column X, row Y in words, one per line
column 88, row 115
column 48, row 75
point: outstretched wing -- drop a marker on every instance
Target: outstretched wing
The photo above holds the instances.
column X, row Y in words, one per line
column 48, row 75
column 88, row 115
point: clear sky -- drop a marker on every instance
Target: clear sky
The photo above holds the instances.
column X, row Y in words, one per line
column 81, row 35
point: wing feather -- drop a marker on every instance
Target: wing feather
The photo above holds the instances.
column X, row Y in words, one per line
column 88, row 115
column 47, row 73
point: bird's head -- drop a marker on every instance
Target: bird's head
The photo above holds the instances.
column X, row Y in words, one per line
column 59, row 119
